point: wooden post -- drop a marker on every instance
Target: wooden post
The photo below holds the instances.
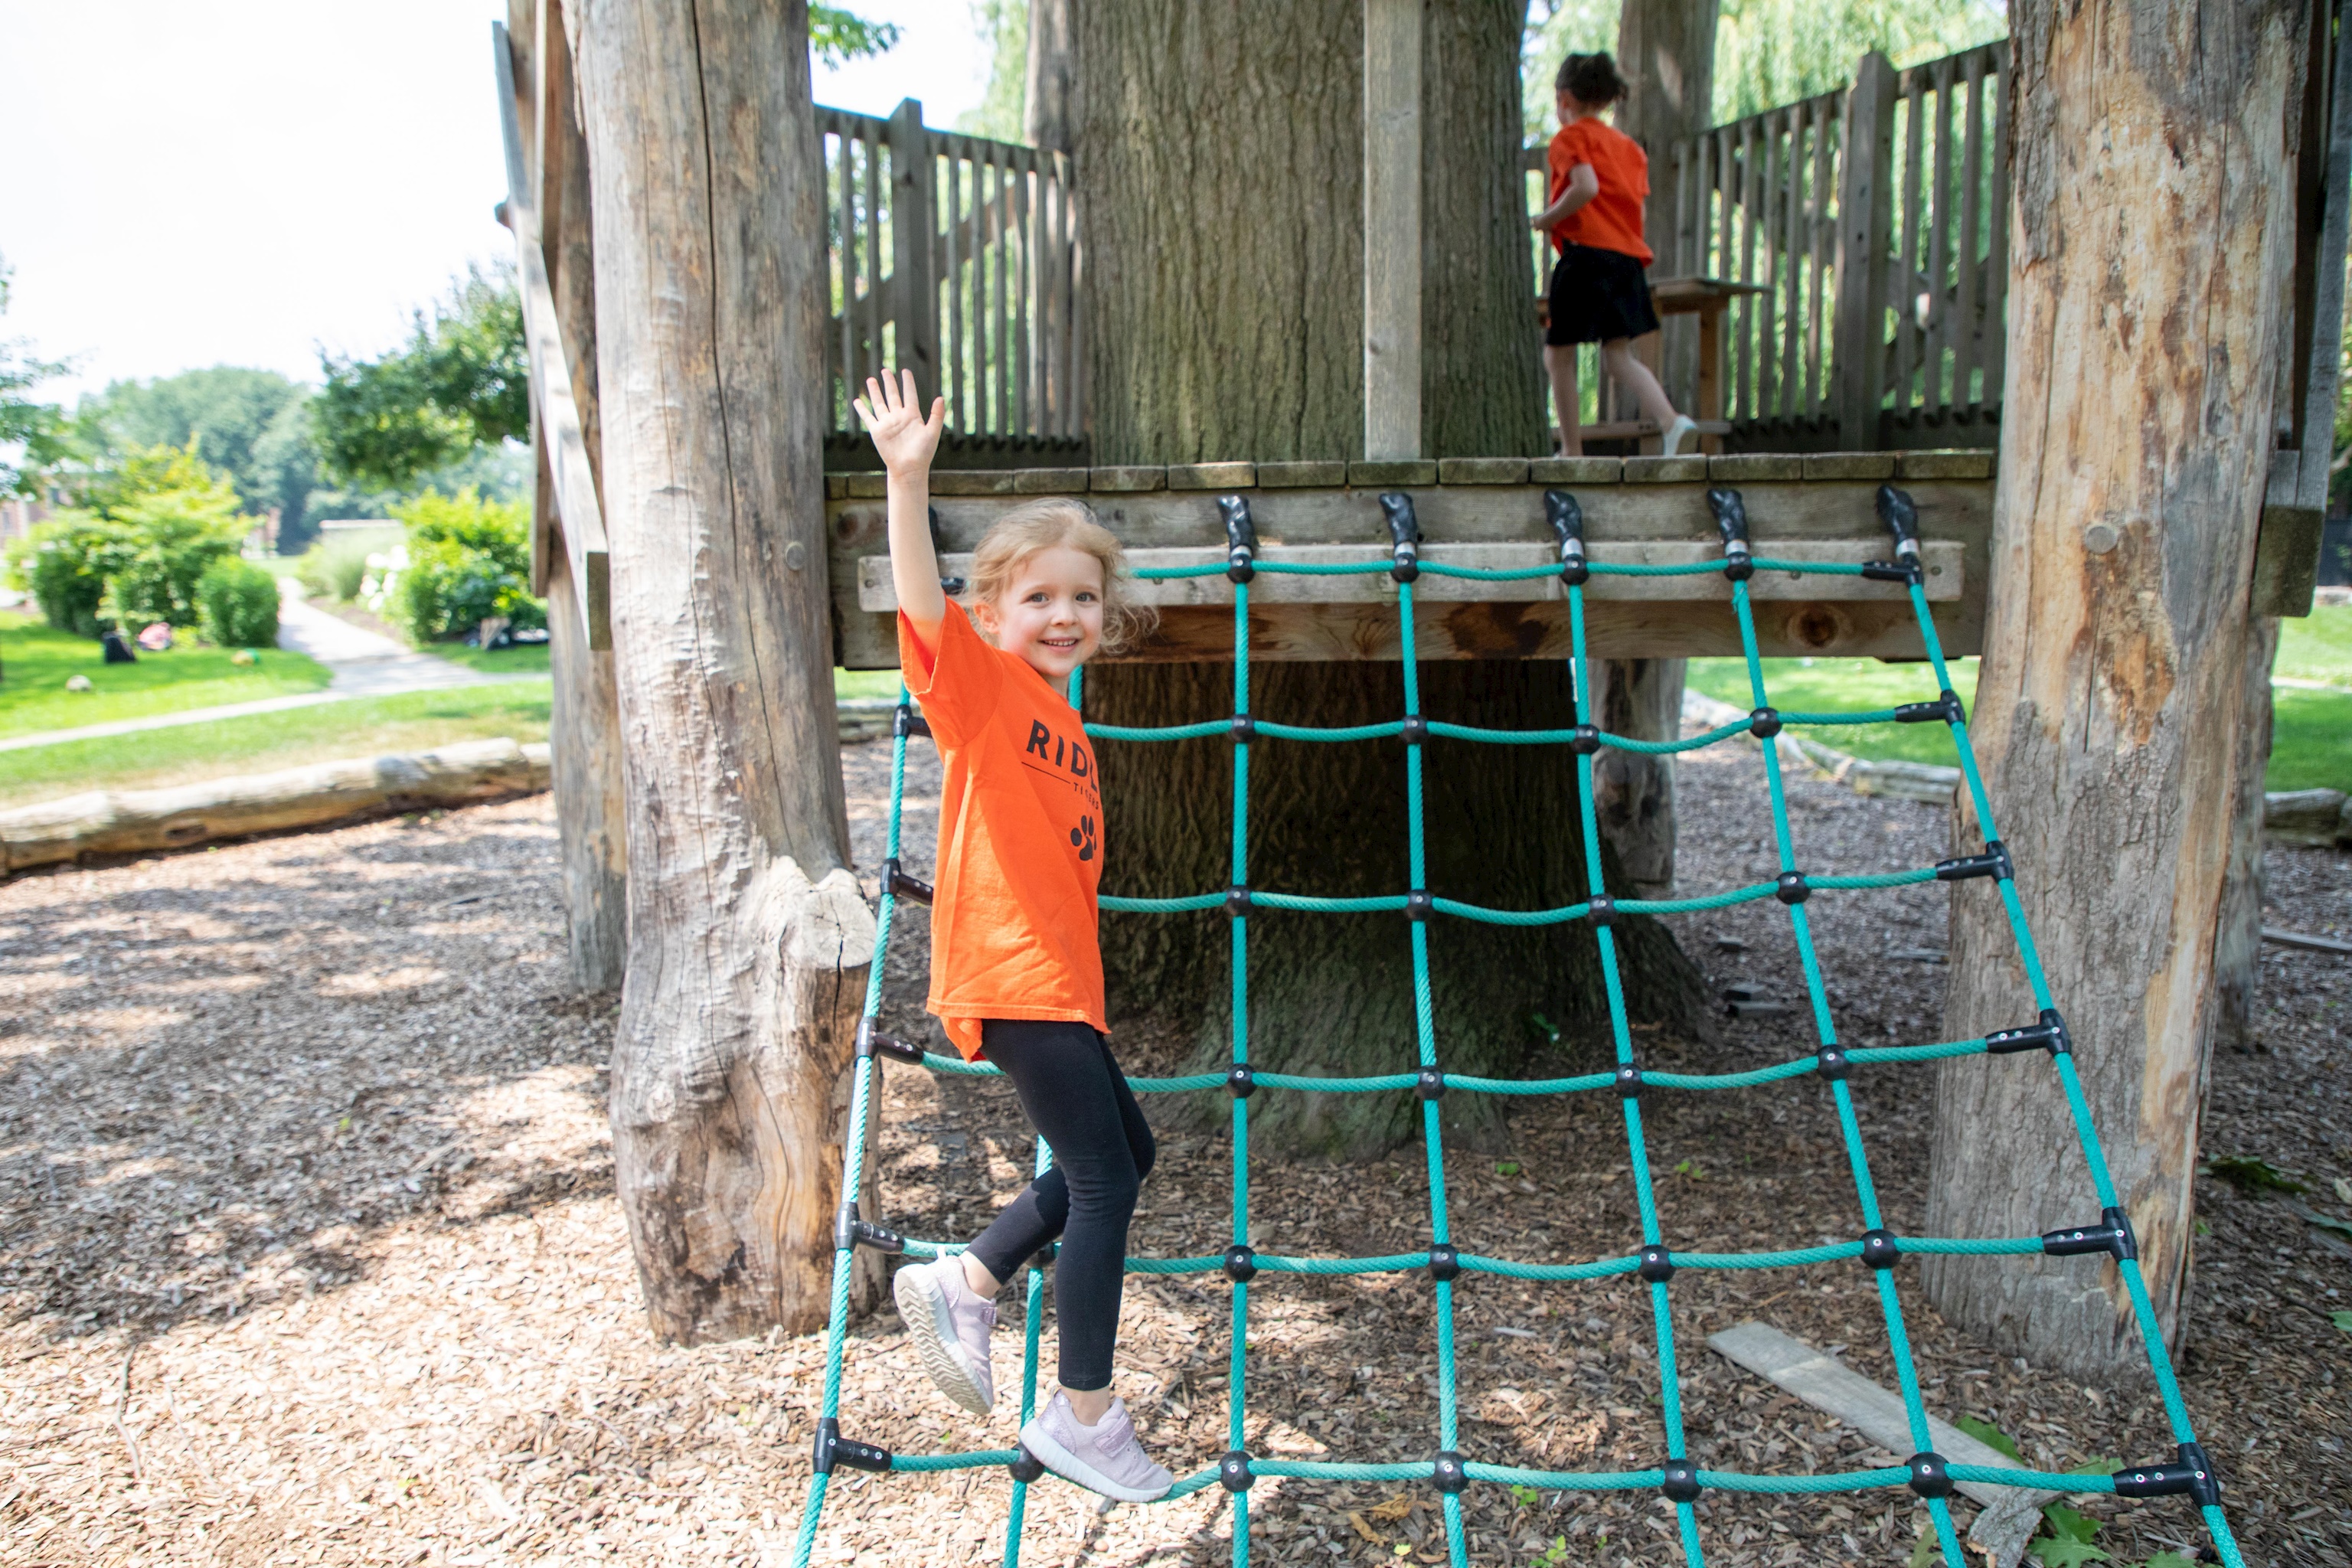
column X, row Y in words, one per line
column 915, row 297
column 1392, row 238
column 1866, row 230
column 2150, row 186
column 1665, row 51
column 749, row 941
column 1052, row 76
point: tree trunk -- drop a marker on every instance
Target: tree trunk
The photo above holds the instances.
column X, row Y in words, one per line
column 1633, row 792
column 2153, row 228
column 590, row 795
column 1050, row 77
column 1220, row 152
column 2238, row 934
column 748, row 938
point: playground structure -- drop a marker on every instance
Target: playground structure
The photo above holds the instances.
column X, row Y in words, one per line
column 1850, row 258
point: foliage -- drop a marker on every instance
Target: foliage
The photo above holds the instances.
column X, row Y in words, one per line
column 134, row 548
column 467, row 560
column 253, row 425
column 1003, row 112
column 2069, row 1541
column 236, row 604
column 2342, row 1321
column 334, row 568
column 31, row 429
column 2251, row 1175
column 837, row 36
column 1990, row 1436
column 64, row 564
column 463, row 381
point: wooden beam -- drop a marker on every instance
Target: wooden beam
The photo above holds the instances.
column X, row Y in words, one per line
column 1865, row 223
column 1392, row 236
column 2317, row 438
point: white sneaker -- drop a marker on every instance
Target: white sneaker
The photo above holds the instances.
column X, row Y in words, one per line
column 949, row 1326
column 1684, row 429
column 1104, row 1458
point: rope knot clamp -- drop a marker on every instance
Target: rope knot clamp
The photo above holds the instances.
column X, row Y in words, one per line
column 1880, row 1249
column 1237, row 899
column 1233, row 1472
column 1447, row 1470
column 1628, row 1081
column 1430, row 1084
column 1244, row 730
column 1994, row 862
column 832, row 1448
column 1567, row 519
column 1657, row 1265
column 2187, row 1475
column 1900, row 513
column 1947, row 709
column 849, row 1233
column 1026, row 1466
column 1601, row 909
column 2112, row 1235
column 1444, row 1261
column 2047, row 1034
column 1679, row 1480
column 1584, row 740
column 1241, row 1263
column 1831, row 1064
column 1731, row 521
column 1930, row 1476
column 1416, row 729
column 1418, row 904
column 1890, row 571
column 1241, row 537
column 1764, row 724
column 870, row 1044
column 905, row 720
column 1790, row 887
column 1404, row 535
column 1241, row 1080
column 896, row 883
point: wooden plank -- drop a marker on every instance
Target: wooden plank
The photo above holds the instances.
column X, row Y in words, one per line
column 1392, row 238
column 914, row 290
column 1907, row 327
column 1941, row 235
column 2326, row 326
column 1864, row 214
column 2306, row 942
column 1967, row 304
column 1996, row 265
column 1818, row 243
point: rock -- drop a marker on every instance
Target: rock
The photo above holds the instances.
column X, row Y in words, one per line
column 78, row 683
column 2312, row 818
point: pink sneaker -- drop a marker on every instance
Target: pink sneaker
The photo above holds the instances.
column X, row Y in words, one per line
column 949, row 1326
column 1104, row 1458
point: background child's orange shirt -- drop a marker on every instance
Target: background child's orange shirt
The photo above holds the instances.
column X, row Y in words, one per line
column 1611, row 220
column 1013, row 916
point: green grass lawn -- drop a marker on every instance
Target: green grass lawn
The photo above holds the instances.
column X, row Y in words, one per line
column 36, row 661
column 522, row 658
column 2317, row 646
column 2311, row 740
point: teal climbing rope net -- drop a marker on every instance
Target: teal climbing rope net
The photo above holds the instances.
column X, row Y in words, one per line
column 1925, row 1474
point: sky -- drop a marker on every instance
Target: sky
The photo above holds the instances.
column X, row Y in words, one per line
column 243, row 182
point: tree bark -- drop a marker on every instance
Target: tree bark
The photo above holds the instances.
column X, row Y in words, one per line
column 591, row 794
column 1633, row 792
column 2237, row 934
column 2153, row 230
column 748, row 938
column 1219, row 154
column 1047, row 113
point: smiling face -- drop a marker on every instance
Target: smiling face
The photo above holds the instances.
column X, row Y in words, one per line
column 1051, row 611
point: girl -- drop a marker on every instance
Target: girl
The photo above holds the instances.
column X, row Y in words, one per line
column 1599, row 178
column 1016, row 975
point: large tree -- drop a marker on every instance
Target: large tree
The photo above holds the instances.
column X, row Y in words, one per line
column 1220, row 152
column 2152, row 231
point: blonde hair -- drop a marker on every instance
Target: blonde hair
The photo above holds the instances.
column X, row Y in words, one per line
column 1038, row 525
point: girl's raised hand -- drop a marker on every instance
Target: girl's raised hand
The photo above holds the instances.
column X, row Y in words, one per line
column 904, row 438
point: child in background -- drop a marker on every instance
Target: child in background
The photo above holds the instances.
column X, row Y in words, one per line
column 1016, row 972
column 1599, row 178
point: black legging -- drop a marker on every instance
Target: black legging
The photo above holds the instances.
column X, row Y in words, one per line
column 1078, row 1100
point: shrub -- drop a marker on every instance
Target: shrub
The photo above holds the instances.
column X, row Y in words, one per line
column 334, row 568
column 133, row 553
column 468, row 560
column 64, row 564
column 172, row 545
column 236, row 604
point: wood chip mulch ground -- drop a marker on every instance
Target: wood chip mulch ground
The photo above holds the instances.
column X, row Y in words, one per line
column 309, row 1252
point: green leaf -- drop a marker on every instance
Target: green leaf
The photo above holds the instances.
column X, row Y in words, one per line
column 1506, row 1167
column 2251, row 1175
column 1990, row 1436
column 1923, row 1551
column 2100, row 1465
column 2066, row 1553
column 2342, row 1321
column 2066, row 1524
column 2168, row 1560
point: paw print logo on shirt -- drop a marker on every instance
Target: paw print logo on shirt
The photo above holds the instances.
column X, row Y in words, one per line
column 1082, row 837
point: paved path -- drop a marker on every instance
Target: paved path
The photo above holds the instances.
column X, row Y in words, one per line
column 364, row 665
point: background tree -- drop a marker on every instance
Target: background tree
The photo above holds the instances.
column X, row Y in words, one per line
column 250, row 425
column 133, row 547
column 30, row 430
column 462, row 383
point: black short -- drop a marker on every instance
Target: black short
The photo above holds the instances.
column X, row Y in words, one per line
column 1597, row 296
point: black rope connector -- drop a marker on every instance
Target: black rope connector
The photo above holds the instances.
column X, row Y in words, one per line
column 1419, row 905
column 832, row 1448
column 870, row 1044
column 1601, row 909
column 2048, row 1035
column 2187, row 1475
column 1731, row 521
column 1241, row 1263
column 905, row 720
column 1628, row 1081
column 1790, row 887
column 1946, row 710
column 1890, row 571
column 1233, row 1470
column 1567, row 519
column 1241, row 537
column 1681, row 1480
column 1026, row 1466
column 1994, row 862
column 1584, row 740
column 1931, row 1477
column 1901, row 515
column 1657, row 1265
column 1445, row 1262
column 1237, row 899
column 1831, row 1064
column 1430, row 1084
column 1448, row 1472
column 1880, row 1249
column 2112, row 1236
column 1764, row 724
column 896, row 883
column 1241, row 1080
column 1404, row 535
column 1416, row 729
column 1244, row 730
column 850, row 1232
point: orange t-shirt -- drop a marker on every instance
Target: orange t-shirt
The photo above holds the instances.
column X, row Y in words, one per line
column 1014, row 917
column 1611, row 220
